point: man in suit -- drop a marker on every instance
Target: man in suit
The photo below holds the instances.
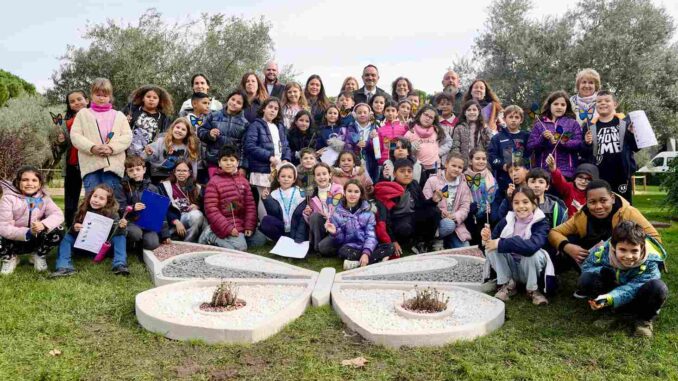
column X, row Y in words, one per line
column 274, row 88
column 369, row 89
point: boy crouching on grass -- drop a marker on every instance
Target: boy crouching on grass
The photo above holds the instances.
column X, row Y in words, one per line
column 624, row 274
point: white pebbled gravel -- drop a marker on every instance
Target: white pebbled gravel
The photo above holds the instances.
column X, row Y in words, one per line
column 375, row 308
column 182, row 306
column 249, row 264
column 406, row 266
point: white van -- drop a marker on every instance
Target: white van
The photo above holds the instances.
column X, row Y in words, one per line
column 660, row 163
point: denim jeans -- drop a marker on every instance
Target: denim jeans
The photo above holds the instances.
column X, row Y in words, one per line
column 193, row 222
column 229, row 242
column 525, row 271
column 65, row 254
column 452, row 241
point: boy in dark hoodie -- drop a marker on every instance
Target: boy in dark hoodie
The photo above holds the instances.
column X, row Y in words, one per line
column 133, row 186
column 404, row 215
column 510, row 142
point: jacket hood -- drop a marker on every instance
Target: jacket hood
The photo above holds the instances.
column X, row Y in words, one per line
column 386, row 191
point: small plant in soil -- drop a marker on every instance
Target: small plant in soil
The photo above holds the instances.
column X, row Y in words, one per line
column 428, row 300
column 225, row 298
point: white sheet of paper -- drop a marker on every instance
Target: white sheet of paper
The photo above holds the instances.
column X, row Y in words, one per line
column 644, row 133
column 286, row 247
column 329, row 156
column 94, row 232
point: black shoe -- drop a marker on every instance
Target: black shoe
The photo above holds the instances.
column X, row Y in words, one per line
column 420, row 248
column 121, row 270
column 62, row 273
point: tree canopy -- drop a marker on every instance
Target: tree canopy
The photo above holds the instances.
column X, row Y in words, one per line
column 627, row 41
column 154, row 52
column 12, row 86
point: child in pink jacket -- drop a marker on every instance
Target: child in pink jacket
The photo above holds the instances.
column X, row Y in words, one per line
column 391, row 129
column 454, row 204
column 320, row 203
column 29, row 220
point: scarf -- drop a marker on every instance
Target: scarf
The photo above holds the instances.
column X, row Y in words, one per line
column 101, row 108
column 616, row 263
column 521, row 225
column 422, row 132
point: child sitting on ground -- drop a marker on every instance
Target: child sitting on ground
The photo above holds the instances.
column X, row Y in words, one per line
column 404, row 216
column 346, row 168
column 184, row 215
column 624, row 274
column 101, row 201
column 29, row 220
column 284, row 207
column 351, row 231
column 320, row 204
column 573, row 193
column 455, row 202
column 229, row 206
column 133, row 186
column 514, row 247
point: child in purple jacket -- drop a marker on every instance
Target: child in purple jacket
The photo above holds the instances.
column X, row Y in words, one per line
column 556, row 132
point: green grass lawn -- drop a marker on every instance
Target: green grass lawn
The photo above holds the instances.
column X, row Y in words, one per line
column 90, row 319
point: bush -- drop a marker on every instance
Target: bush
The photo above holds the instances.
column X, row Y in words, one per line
column 26, row 134
column 670, row 184
column 428, row 300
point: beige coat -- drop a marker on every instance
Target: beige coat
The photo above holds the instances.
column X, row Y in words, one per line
column 85, row 135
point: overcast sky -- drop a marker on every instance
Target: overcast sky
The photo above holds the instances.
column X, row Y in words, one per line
column 332, row 38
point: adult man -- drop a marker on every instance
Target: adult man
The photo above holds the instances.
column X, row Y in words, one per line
column 369, row 89
column 452, row 85
column 274, row 88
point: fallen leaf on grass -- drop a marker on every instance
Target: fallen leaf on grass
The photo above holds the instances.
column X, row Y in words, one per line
column 358, row 362
column 54, row 352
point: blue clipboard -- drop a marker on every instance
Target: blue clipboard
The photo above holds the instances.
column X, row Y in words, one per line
column 153, row 216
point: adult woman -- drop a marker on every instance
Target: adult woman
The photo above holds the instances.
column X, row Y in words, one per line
column 350, row 84
column 587, row 84
column 401, row 88
column 492, row 111
column 256, row 94
column 316, row 97
column 200, row 84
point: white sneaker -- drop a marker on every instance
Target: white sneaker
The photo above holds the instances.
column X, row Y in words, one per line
column 9, row 265
column 39, row 263
column 385, row 259
column 349, row 265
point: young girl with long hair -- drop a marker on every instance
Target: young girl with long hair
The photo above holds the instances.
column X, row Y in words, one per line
column 320, row 203
column 186, row 219
column 348, row 167
column 331, row 135
column 29, row 220
column 470, row 132
column 391, row 129
column 293, row 101
column 483, row 188
column 351, row 230
column 302, row 134
column 148, row 115
column 284, row 207
column 99, row 200
column 360, row 139
column 401, row 148
column 556, row 132
column 514, row 247
column 101, row 135
column 180, row 143
column 429, row 140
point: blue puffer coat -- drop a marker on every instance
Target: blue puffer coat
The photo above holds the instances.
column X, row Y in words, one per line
column 355, row 229
column 629, row 281
column 259, row 148
column 231, row 131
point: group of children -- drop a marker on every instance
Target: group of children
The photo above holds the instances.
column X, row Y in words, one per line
column 370, row 182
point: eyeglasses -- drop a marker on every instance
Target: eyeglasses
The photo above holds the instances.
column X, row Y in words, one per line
column 582, row 178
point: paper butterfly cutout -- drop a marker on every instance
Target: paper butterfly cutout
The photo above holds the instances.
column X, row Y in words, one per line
column 534, row 109
column 445, row 191
column 231, row 206
column 334, row 199
column 57, row 119
column 195, row 121
column 473, row 180
column 33, row 202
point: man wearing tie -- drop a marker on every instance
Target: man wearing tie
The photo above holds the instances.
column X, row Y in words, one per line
column 369, row 89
